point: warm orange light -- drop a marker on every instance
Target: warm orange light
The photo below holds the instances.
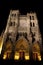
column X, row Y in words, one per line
column 16, row 56
column 4, row 57
column 39, row 57
column 27, row 57
column 1, row 44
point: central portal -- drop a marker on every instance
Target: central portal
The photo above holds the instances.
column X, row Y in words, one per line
column 22, row 49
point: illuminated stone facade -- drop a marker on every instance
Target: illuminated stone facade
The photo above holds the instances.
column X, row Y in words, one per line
column 21, row 37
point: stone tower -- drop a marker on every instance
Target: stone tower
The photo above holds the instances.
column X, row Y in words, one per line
column 22, row 36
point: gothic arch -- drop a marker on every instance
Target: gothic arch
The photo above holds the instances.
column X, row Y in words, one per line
column 7, row 50
column 36, row 47
column 36, row 51
column 22, row 45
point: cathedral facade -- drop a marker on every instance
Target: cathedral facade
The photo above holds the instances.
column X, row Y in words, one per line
column 22, row 37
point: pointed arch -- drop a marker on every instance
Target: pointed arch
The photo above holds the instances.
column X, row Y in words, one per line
column 36, row 51
column 7, row 51
column 22, row 44
column 8, row 45
column 36, row 47
column 22, row 49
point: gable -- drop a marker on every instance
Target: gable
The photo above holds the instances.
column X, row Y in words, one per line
column 22, row 44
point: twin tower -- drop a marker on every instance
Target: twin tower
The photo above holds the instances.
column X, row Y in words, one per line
column 22, row 37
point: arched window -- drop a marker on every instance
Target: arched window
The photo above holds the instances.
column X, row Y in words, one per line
column 32, row 17
column 13, row 15
column 10, row 24
column 33, row 25
column 30, row 24
column 25, row 34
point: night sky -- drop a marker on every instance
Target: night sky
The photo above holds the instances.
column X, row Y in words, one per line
column 24, row 6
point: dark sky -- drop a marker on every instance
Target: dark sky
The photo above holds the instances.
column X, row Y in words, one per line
column 24, row 6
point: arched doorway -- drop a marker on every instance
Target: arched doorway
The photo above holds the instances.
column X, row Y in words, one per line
column 7, row 50
column 22, row 49
column 36, row 51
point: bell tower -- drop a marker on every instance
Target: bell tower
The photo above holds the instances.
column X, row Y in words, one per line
column 12, row 25
column 34, row 26
column 11, row 29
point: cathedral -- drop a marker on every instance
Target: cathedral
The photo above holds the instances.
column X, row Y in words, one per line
column 22, row 37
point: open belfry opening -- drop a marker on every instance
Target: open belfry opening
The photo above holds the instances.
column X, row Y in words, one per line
column 21, row 38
